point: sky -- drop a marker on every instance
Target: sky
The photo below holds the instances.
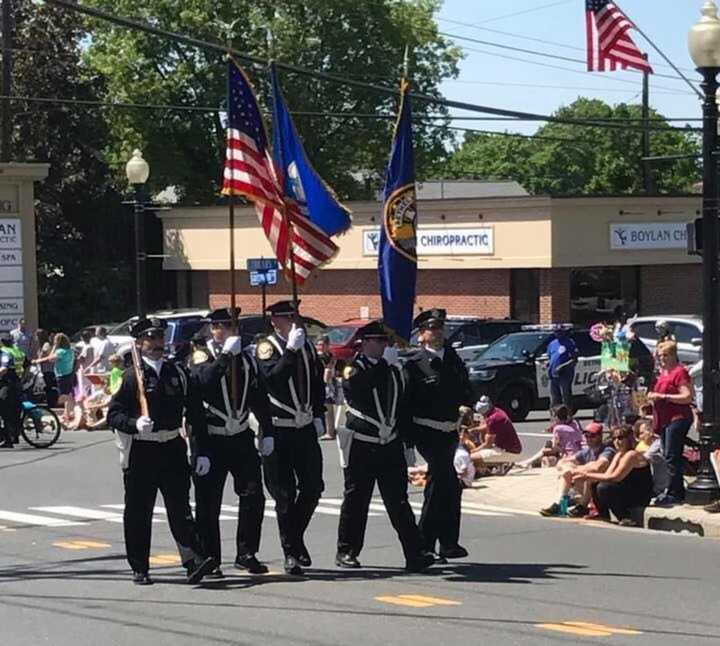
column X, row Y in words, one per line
column 488, row 77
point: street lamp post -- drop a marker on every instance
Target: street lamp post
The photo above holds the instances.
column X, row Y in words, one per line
column 138, row 171
column 704, row 45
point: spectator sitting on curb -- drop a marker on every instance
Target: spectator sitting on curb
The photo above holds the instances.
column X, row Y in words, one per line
column 464, row 466
column 567, row 440
column 494, row 442
column 625, row 484
column 594, row 458
column 650, row 445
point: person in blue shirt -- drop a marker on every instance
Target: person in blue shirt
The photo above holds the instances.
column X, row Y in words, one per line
column 562, row 354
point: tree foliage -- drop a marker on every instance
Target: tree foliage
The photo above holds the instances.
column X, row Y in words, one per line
column 358, row 40
column 592, row 160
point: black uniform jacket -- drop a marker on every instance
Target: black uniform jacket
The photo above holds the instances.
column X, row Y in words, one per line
column 280, row 367
column 209, row 375
column 170, row 396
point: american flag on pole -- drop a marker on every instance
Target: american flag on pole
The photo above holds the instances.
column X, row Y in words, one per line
column 251, row 172
column 609, row 46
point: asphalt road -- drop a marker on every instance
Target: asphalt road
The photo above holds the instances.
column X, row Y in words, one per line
column 64, row 580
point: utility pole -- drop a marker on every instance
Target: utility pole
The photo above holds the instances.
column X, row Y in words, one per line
column 7, row 62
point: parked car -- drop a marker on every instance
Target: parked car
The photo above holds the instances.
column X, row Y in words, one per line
column 343, row 338
column 513, row 370
column 471, row 336
column 688, row 331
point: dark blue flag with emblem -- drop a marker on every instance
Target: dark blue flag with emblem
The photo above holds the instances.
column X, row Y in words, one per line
column 397, row 257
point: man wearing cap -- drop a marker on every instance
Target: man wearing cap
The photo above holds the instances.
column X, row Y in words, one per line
column 562, row 358
column 594, row 458
column 500, row 442
column 293, row 377
column 231, row 441
column 371, row 450
column 154, row 455
column 438, row 384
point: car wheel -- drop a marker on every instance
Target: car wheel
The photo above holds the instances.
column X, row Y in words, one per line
column 516, row 402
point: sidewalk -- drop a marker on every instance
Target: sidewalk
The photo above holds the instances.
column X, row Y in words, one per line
column 527, row 492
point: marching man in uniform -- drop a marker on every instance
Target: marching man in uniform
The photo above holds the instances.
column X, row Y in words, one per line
column 231, row 441
column 438, row 385
column 147, row 413
column 371, row 450
column 293, row 377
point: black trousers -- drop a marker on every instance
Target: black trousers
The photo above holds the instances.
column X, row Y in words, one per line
column 10, row 411
column 440, row 517
column 157, row 466
column 370, row 463
column 237, row 456
column 293, row 475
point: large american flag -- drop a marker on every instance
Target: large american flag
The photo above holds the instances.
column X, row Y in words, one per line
column 609, row 46
column 251, row 172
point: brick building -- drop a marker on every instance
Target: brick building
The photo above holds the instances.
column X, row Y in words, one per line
column 535, row 258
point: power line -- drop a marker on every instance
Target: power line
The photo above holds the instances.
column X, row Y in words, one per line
column 524, row 11
column 331, row 78
column 560, row 87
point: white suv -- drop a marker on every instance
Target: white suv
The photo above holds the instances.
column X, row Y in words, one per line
column 688, row 331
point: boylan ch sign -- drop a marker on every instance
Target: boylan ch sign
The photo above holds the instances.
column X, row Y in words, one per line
column 447, row 241
column 648, row 235
column 12, row 303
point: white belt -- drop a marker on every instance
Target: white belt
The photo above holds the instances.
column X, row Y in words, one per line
column 229, row 431
column 385, row 431
column 157, row 436
column 445, row 427
column 300, row 417
column 382, row 441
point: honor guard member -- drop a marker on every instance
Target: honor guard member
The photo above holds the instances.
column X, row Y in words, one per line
column 293, row 377
column 438, row 385
column 231, row 441
column 371, row 450
column 154, row 455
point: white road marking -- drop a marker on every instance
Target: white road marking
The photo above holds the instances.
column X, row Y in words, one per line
column 31, row 519
column 82, row 512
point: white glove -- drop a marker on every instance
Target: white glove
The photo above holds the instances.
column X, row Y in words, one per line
column 144, row 424
column 319, row 426
column 233, row 345
column 391, row 356
column 296, row 338
column 410, row 457
column 267, row 446
column 202, row 466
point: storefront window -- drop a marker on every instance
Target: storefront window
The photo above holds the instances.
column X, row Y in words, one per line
column 596, row 293
column 525, row 295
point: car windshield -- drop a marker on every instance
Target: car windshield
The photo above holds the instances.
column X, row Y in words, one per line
column 341, row 334
column 123, row 329
column 515, row 346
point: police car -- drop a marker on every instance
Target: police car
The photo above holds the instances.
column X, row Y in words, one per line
column 513, row 370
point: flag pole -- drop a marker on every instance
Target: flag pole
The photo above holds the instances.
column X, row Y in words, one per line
column 231, row 226
column 664, row 57
column 646, row 168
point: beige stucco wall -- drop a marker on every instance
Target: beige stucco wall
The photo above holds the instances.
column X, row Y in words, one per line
column 581, row 229
column 195, row 237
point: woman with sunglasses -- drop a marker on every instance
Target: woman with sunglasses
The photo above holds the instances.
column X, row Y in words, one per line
column 627, row 483
column 672, row 416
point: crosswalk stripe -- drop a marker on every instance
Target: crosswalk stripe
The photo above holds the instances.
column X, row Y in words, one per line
column 81, row 512
column 31, row 519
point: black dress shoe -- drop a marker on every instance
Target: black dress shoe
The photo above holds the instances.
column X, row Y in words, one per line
column 250, row 564
column 453, row 552
column 292, row 566
column 217, row 573
column 200, row 568
column 438, row 560
column 347, row 561
column 303, row 556
column 141, row 578
column 421, row 562
column 7, row 445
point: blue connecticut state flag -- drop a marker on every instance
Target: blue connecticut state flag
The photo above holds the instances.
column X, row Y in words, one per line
column 397, row 257
column 301, row 183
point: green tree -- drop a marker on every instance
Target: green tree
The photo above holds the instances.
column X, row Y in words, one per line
column 358, row 40
column 82, row 235
column 592, row 160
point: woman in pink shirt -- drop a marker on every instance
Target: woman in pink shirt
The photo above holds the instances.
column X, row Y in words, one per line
column 567, row 436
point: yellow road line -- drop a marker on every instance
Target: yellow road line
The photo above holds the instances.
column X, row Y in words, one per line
column 587, row 629
column 164, row 559
column 399, row 601
column 417, row 601
column 80, row 544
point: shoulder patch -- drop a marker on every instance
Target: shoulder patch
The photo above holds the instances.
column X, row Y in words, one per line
column 200, row 356
column 264, row 350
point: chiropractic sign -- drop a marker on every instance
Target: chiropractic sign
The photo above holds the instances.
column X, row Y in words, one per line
column 12, row 303
column 648, row 235
column 447, row 241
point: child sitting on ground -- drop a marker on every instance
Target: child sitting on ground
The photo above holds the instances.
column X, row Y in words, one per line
column 567, row 440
